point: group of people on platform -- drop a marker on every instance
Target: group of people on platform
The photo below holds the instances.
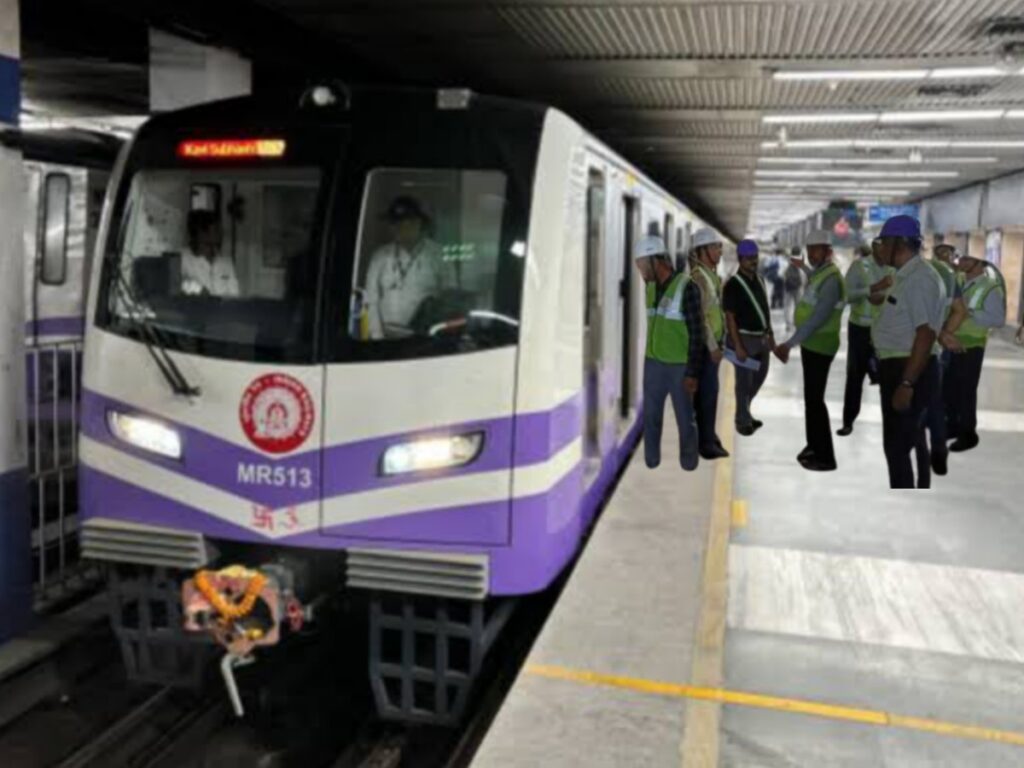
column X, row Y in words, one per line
column 917, row 328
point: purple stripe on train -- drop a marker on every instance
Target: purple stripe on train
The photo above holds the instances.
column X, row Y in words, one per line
column 348, row 468
column 545, row 528
column 56, row 326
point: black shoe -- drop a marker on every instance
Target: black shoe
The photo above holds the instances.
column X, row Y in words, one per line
column 846, row 431
column 756, row 424
column 746, row 431
column 940, row 464
column 964, row 443
column 806, row 453
column 816, row 465
column 714, row 452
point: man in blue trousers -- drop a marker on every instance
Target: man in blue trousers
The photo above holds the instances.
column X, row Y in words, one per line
column 675, row 354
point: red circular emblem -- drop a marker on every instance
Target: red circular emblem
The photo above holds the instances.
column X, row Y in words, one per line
column 276, row 413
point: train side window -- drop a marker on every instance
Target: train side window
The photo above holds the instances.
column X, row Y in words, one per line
column 669, row 245
column 53, row 235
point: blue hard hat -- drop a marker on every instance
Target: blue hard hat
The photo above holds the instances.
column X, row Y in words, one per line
column 746, row 249
column 901, row 226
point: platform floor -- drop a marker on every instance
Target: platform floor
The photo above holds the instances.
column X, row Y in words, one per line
column 754, row 614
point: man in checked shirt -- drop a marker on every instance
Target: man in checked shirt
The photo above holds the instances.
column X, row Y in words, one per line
column 676, row 351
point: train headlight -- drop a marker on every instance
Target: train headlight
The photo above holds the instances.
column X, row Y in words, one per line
column 145, row 433
column 431, row 453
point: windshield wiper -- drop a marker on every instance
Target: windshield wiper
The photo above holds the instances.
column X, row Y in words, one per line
column 151, row 337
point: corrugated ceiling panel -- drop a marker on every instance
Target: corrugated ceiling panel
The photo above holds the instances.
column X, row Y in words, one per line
column 873, row 28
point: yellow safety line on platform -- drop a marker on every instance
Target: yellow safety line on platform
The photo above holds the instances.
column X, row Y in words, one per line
column 720, row 696
column 699, row 747
column 739, row 513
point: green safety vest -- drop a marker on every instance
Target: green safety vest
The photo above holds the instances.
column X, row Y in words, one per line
column 949, row 279
column 971, row 334
column 668, row 338
column 715, row 315
column 825, row 340
column 863, row 312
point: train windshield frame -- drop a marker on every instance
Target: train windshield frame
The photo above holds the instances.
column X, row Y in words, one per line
column 465, row 176
column 221, row 254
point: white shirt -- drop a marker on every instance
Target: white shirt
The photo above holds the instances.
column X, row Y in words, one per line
column 917, row 297
column 200, row 275
column 398, row 281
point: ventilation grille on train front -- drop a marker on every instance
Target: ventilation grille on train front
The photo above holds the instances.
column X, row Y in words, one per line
column 443, row 574
column 121, row 542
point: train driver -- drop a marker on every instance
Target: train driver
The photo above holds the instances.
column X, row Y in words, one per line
column 404, row 272
column 204, row 269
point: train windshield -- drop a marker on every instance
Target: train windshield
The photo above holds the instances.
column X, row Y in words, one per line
column 219, row 261
column 431, row 262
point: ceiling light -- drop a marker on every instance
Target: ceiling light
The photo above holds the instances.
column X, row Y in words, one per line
column 855, row 174
column 811, row 144
column 960, row 72
column 822, row 117
column 896, row 144
column 987, row 144
column 889, row 161
column 1015, row 113
column 853, row 74
column 941, row 115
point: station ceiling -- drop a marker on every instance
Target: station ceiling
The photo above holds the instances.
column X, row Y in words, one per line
column 715, row 100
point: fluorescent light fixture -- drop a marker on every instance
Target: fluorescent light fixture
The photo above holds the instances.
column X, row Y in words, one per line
column 876, row 160
column 836, row 75
column 1015, row 114
column 431, row 453
column 822, row 117
column 810, row 174
column 853, row 74
column 145, row 433
column 895, row 144
column 941, row 115
column 962, row 72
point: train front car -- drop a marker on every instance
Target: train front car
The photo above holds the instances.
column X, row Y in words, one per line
column 301, row 378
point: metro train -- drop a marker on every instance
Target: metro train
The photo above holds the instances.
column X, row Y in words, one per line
column 252, row 446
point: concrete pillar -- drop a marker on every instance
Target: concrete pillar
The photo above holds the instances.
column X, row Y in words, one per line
column 1013, row 270
column 15, row 526
column 976, row 244
column 183, row 73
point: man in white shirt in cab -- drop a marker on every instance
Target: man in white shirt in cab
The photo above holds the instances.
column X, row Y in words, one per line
column 204, row 269
column 404, row 272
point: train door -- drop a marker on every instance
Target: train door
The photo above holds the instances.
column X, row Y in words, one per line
column 631, row 214
column 593, row 379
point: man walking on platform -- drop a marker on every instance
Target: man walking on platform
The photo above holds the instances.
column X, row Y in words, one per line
column 675, row 352
column 985, row 299
column 748, row 318
column 707, row 252
column 904, row 337
column 818, row 317
column 865, row 278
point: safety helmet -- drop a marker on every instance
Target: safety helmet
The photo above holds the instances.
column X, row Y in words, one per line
column 651, row 246
column 747, row 249
column 902, row 226
column 705, row 236
column 819, row 237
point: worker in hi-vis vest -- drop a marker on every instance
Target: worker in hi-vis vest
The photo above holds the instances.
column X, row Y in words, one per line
column 984, row 296
column 864, row 278
column 675, row 352
column 904, row 337
column 818, row 317
column 707, row 253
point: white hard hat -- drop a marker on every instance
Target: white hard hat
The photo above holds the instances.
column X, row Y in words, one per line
column 652, row 245
column 705, row 236
column 819, row 237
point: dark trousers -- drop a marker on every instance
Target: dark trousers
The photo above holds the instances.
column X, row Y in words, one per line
column 961, row 392
column 860, row 362
column 663, row 380
column 816, row 422
column 936, row 418
column 748, row 382
column 903, row 432
column 706, row 404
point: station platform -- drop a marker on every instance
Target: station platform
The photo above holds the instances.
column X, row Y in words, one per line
column 755, row 614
